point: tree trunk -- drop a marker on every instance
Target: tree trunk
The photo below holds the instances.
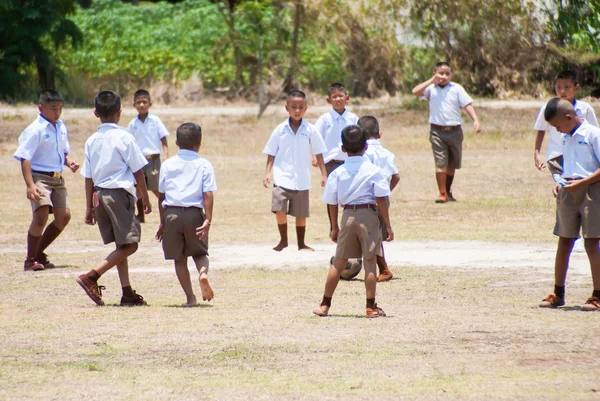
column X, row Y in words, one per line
column 46, row 72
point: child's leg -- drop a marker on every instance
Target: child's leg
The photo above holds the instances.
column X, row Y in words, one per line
column 34, row 237
column 62, row 216
column 300, row 234
column 384, row 271
column 202, row 266
column 370, row 278
column 281, row 218
column 440, row 177
column 333, row 278
column 115, row 258
column 591, row 247
column 130, row 297
column 561, row 266
column 155, row 192
column 183, row 275
column 450, row 172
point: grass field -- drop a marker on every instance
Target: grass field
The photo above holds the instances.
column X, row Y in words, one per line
column 452, row 333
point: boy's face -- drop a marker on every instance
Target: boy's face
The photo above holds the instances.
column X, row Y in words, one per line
column 563, row 123
column 338, row 98
column 565, row 89
column 142, row 104
column 51, row 111
column 296, row 107
column 442, row 75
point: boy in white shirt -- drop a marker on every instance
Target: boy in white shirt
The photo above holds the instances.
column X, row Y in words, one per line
column 113, row 162
column 151, row 136
column 288, row 153
column 186, row 187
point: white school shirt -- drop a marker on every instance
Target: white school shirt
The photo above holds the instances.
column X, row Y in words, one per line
column 581, row 151
column 111, row 158
column 292, row 151
column 445, row 103
column 583, row 111
column 330, row 126
column 148, row 134
column 381, row 157
column 357, row 181
column 184, row 178
column 44, row 145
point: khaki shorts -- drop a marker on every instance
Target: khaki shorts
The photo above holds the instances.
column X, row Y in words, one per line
column 332, row 165
column 360, row 234
column 115, row 215
column 297, row 200
column 447, row 147
column 54, row 192
column 179, row 236
column 555, row 165
column 152, row 173
column 580, row 209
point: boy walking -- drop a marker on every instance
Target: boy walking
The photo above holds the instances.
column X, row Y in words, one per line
column 446, row 99
column 151, row 136
column 185, row 198
column 288, row 156
column 43, row 151
column 384, row 159
column 577, row 206
column 112, row 162
column 362, row 189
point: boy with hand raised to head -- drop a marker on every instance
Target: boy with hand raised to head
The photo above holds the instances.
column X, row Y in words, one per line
column 113, row 163
column 43, row 151
column 362, row 189
column 288, row 157
column 577, row 206
column 186, row 187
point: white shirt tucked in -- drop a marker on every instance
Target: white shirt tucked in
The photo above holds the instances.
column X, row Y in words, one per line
column 44, row 145
column 111, row 158
column 148, row 134
column 184, row 178
column 381, row 157
column 357, row 181
column 581, row 151
column 330, row 126
column 292, row 151
column 445, row 103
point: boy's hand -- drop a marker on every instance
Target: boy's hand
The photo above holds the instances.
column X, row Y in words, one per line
column 334, row 234
column 33, row 193
column 159, row 232
column 90, row 217
column 539, row 164
column 323, row 181
column 476, row 126
column 314, row 161
column 73, row 166
column 147, row 206
column 266, row 181
column 390, row 234
column 556, row 189
column 202, row 231
column 437, row 79
column 572, row 185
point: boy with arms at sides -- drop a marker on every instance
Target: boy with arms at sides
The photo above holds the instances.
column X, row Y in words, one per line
column 446, row 99
column 151, row 136
column 113, row 163
column 577, row 206
column 288, row 153
column 43, row 151
column 186, row 187
column 384, row 159
column 362, row 189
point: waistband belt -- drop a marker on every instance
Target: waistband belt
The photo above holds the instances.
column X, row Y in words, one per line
column 152, row 157
column 361, row 206
column 445, row 127
column 53, row 174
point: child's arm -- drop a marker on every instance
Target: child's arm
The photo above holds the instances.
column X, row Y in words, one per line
column 202, row 231
column 539, row 139
column 471, row 112
column 72, row 165
column 267, row 179
column 394, row 181
column 335, row 229
column 590, row 117
column 161, row 213
column 420, row 89
column 165, row 148
column 321, row 165
column 90, row 216
column 384, row 212
column 141, row 184
column 33, row 193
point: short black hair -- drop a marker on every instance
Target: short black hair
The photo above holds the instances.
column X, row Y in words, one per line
column 353, row 139
column 189, row 135
column 336, row 87
column 442, row 64
column 551, row 109
column 566, row 74
column 107, row 104
column 296, row 93
column 50, row 95
column 140, row 93
column 370, row 125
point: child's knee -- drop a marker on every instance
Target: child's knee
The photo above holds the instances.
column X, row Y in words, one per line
column 591, row 245
column 62, row 219
column 40, row 216
column 130, row 248
column 339, row 264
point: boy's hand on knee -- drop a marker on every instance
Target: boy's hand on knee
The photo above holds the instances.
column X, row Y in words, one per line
column 90, row 217
column 33, row 193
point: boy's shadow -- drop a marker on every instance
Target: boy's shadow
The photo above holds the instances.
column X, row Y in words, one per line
column 362, row 280
column 179, row 306
column 570, row 308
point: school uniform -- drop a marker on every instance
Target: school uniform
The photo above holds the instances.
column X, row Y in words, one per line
column 384, row 159
column 148, row 135
column 45, row 146
column 446, row 135
column 291, row 167
column 111, row 157
column 184, row 179
column 355, row 185
column 579, row 209
column 330, row 126
column 554, row 158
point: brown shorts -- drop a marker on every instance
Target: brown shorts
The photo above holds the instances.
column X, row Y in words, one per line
column 360, row 234
column 580, row 209
column 447, row 147
column 115, row 215
column 179, row 237
column 332, row 165
column 555, row 165
column 54, row 192
column 152, row 172
column 298, row 202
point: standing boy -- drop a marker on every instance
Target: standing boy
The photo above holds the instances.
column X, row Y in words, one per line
column 112, row 162
column 384, row 159
column 185, row 198
column 362, row 189
column 43, row 151
column 151, row 136
column 577, row 206
column 445, row 99
column 288, row 153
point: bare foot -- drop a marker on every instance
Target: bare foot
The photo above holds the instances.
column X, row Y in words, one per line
column 190, row 304
column 321, row 310
column 207, row 292
column 280, row 246
column 305, row 248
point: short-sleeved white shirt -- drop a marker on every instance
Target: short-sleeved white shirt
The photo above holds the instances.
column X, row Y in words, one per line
column 148, row 134
column 292, row 151
column 445, row 103
column 583, row 111
column 44, row 145
column 184, row 178
column 111, row 158
column 581, row 151
column 357, row 181
column 381, row 157
column 330, row 126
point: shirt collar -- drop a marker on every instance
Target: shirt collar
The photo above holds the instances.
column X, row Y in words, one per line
column 576, row 130
column 302, row 124
column 335, row 115
column 187, row 152
column 44, row 121
column 444, row 87
column 107, row 126
column 373, row 142
column 356, row 159
column 147, row 117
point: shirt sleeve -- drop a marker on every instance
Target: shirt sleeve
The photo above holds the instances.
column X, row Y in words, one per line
column 381, row 186
column 321, row 126
column 162, row 130
column 130, row 127
column 161, row 177
column 391, row 164
column 28, row 143
column 590, row 116
column 273, row 144
column 86, row 169
column 540, row 123
column 209, row 182
column 132, row 154
column 330, row 192
column 317, row 144
column 595, row 141
column 463, row 97
column 67, row 145
column 426, row 93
